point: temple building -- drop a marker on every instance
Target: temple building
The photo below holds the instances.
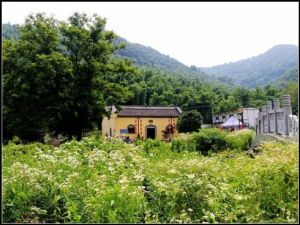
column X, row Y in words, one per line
column 142, row 122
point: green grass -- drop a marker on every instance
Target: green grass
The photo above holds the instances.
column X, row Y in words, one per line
column 107, row 181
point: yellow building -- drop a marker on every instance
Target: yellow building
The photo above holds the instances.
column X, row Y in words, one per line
column 141, row 121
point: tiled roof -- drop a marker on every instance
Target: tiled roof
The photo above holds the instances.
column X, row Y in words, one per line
column 149, row 111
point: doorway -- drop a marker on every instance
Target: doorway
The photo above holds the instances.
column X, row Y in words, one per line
column 150, row 132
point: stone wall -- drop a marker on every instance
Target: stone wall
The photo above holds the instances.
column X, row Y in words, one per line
column 275, row 120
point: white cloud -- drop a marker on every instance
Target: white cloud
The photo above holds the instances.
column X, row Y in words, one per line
column 198, row 33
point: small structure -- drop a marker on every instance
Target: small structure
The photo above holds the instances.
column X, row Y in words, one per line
column 246, row 115
column 231, row 124
column 133, row 122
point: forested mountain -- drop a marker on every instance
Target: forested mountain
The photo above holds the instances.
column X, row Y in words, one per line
column 260, row 70
column 291, row 75
column 10, row 31
column 151, row 58
column 142, row 56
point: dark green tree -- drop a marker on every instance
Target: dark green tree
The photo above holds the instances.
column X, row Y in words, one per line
column 98, row 75
column 36, row 78
column 58, row 76
column 189, row 121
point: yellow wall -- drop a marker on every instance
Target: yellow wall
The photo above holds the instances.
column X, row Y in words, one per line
column 123, row 122
column 108, row 124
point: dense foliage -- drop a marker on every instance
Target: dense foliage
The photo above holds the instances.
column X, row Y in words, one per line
column 213, row 140
column 189, row 121
column 58, row 76
column 150, row 58
column 290, row 76
column 98, row 180
column 53, row 73
column 260, row 70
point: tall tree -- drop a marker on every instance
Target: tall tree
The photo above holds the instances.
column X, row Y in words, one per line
column 36, row 79
column 57, row 76
column 98, row 76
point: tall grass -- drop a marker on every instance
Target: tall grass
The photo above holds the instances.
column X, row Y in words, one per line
column 97, row 180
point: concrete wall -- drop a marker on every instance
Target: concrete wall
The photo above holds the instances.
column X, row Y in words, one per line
column 250, row 115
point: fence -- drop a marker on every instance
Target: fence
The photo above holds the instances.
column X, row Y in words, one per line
column 275, row 120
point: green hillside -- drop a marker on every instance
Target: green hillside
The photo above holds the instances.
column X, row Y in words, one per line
column 151, row 58
column 10, row 31
column 260, row 70
column 291, row 75
column 143, row 56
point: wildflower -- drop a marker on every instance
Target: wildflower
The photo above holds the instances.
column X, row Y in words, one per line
column 172, row 171
column 37, row 210
column 123, row 180
column 238, row 197
column 211, row 187
column 191, row 176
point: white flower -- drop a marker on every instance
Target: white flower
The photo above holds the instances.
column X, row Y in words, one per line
column 172, row 171
column 123, row 180
column 211, row 187
column 191, row 176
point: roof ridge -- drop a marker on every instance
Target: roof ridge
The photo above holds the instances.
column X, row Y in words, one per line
column 148, row 107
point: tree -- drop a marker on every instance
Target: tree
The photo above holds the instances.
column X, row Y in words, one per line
column 292, row 89
column 58, row 76
column 98, row 75
column 189, row 121
column 242, row 95
column 36, row 78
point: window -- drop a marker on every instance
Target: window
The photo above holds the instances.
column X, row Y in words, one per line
column 223, row 118
column 217, row 119
column 131, row 129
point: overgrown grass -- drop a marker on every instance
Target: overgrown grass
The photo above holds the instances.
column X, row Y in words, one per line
column 213, row 140
column 107, row 181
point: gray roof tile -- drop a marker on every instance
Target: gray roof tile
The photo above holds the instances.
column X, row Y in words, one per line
column 149, row 111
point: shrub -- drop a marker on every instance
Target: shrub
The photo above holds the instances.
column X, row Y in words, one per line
column 179, row 145
column 213, row 140
column 240, row 140
column 189, row 121
column 209, row 139
column 278, row 193
column 151, row 144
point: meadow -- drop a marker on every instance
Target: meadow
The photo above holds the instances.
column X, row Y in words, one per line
column 204, row 177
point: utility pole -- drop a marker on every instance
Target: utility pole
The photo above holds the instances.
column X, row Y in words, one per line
column 212, row 115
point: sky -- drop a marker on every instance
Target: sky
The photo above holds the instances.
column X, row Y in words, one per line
column 195, row 33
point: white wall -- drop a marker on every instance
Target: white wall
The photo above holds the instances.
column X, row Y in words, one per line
column 249, row 116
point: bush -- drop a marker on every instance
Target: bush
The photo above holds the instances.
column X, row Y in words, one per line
column 150, row 144
column 240, row 140
column 189, row 121
column 209, row 139
column 278, row 193
column 179, row 145
column 214, row 140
